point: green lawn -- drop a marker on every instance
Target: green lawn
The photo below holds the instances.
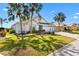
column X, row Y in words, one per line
column 13, row 37
column 75, row 31
column 37, row 42
column 62, row 38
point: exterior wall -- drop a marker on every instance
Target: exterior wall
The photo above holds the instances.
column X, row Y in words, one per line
column 16, row 28
column 37, row 27
column 46, row 27
column 25, row 28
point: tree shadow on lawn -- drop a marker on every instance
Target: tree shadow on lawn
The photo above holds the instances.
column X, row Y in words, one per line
column 39, row 44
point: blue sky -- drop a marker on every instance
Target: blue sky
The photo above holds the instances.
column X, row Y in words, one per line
column 48, row 11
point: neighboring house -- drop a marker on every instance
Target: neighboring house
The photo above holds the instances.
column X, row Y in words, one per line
column 75, row 27
column 67, row 26
column 56, row 25
column 36, row 22
column 72, row 27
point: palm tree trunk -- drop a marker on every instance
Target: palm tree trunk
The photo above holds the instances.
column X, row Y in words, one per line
column 31, row 23
column 1, row 23
column 39, row 22
column 58, row 26
column 52, row 29
column 18, row 49
column 21, row 27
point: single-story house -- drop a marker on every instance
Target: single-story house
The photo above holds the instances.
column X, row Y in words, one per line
column 75, row 27
column 72, row 27
column 36, row 22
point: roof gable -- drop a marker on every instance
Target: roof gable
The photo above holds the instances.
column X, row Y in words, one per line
column 37, row 19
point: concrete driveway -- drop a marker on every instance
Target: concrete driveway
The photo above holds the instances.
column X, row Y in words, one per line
column 71, row 49
column 75, row 36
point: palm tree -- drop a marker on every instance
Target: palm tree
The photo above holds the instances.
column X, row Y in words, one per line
column 18, row 10
column 34, row 7
column 60, row 17
column 1, row 21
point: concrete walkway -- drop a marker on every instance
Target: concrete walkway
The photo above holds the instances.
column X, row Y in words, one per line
column 71, row 49
column 75, row 36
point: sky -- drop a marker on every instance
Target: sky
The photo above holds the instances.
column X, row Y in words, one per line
column 71, row 11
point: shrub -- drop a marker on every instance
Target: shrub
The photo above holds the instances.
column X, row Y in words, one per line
column 12, row 31
column 53, row 33
column 2, row 32
column 50, row 33
column 41, row 32
column 68, row 31
column 34, row 31
column 28, row 32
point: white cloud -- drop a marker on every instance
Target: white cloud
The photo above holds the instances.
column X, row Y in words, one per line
column 77, row 13
column 4, row 9
column 52, row 11
column 75, row 17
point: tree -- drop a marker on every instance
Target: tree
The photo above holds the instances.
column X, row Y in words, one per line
column 60, row 17
column 1, row 21
column 34, row 7
column 20, row 11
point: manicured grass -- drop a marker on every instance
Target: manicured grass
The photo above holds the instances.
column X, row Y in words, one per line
column 13, row 37
column 75, row 31
column 37, row 42
column 59, row 37
column 63, row 38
